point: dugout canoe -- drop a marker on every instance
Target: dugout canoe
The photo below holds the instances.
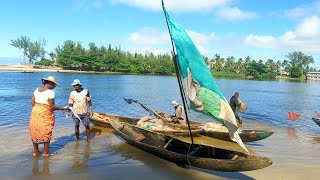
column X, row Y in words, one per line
column 316, row 120
column 174, row 150
column 103, row 120
column 217, row 131
column 246, row 135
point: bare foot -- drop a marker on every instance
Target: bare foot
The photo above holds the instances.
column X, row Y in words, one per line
column 36, row 154
column 50, row 154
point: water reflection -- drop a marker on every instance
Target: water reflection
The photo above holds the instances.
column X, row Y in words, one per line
column 292, row 133
column 80, row 160
column 43, row 169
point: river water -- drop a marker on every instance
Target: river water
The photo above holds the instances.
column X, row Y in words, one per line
column 294, row 147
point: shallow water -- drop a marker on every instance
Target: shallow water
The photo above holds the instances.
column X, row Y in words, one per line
column 294, row 147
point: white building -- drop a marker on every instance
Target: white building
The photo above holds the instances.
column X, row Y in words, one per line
column 313, row 76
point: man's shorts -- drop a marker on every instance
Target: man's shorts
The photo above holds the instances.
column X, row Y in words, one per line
column 84, row 118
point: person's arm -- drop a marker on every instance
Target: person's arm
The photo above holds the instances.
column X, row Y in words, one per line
column 90, row 104
column 33, row 101
column 179, row 114
column 55, row 107
column 70, row 103
column 90, row 108
column 236, row 102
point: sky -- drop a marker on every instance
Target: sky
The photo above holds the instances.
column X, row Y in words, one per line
column 264, row 29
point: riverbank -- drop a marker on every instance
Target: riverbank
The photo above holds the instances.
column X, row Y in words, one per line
column 31, row 68
column 34, row 68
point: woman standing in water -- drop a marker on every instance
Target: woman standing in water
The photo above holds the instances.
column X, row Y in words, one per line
column 42, row 115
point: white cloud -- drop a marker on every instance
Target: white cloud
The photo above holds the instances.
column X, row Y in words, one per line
column 304, row 11
column 178, row 5
column 149, row 36
column 304, row 38
column 154, row 40
column 235, row 14
column 309, row 28
column 201, row 38
column 261, row 41
column 201, row 49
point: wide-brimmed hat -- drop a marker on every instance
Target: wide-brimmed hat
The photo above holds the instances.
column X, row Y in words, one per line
column 75, row 82
column 51, row 79
column 174, row 103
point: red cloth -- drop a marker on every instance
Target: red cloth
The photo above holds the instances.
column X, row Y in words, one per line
column 293, row 116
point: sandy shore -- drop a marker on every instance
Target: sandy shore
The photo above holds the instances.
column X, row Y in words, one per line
column 31, row 68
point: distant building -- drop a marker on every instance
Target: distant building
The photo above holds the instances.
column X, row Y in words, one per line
column 313, row 76
column 284, row 73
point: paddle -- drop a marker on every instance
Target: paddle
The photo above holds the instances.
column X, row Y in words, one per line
column 130, row 101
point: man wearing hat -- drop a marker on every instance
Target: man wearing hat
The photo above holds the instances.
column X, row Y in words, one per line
column 79, row 100
column 180, row 115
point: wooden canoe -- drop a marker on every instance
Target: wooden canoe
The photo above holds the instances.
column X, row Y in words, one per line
column 218, row 132
column 316, row 120
column 221, row 132
column 177, row 151
column 103, row 120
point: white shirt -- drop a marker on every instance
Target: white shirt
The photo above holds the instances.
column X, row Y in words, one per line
column 44, row 96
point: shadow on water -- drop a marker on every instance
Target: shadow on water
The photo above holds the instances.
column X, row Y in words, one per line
column 61, row 142
column 229, row 175
column 150, row 160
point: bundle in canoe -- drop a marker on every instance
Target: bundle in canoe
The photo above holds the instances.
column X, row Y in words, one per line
column 211, row 130
column 177, row 151
column 103, row 120
column 219, row 131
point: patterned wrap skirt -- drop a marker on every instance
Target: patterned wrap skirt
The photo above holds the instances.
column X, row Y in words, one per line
column 41, row 123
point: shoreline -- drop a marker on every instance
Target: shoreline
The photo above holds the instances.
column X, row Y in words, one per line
column 31, row 69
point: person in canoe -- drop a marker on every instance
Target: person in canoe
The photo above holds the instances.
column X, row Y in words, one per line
column 42, row 115
column 180, row 115
column 234, row 103
column 79, row 100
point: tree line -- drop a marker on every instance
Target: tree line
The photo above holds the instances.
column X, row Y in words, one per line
column 73, row 56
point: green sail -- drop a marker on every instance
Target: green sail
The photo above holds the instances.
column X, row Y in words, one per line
column 201, row 88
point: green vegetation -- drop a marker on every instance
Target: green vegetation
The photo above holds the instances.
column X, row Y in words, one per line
column 72, row 56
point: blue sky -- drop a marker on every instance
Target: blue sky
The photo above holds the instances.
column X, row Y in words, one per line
column 260, row 29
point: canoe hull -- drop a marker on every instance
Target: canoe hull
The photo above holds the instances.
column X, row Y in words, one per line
column 155, row 143
column 317, row 121
column 245, row 135
column 102, row 120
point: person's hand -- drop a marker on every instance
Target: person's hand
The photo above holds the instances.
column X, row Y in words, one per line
column 66, row 108
column 68, row 115
column 90, row 114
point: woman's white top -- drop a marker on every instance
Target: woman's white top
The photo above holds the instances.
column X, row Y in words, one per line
column 44, row 96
